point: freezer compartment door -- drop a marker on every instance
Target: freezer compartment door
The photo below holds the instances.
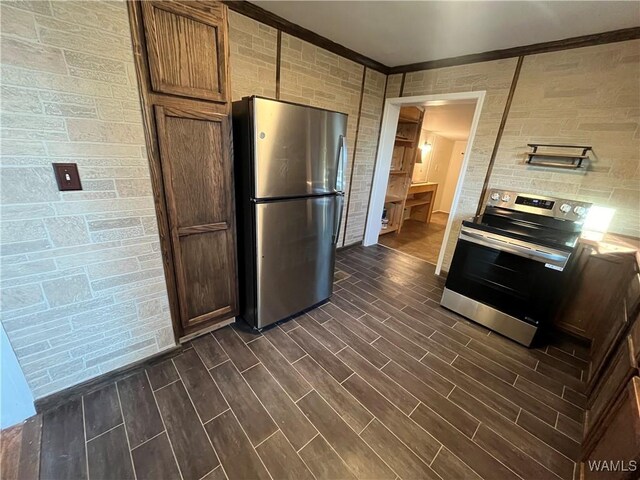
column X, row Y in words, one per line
column 299, row 150
column 296, row 242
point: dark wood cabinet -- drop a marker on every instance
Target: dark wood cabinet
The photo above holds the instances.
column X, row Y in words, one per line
column 186, row 48
column 181, row 55
column 618, row 442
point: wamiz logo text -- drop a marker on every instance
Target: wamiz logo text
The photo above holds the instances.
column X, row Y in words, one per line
column 612, row 465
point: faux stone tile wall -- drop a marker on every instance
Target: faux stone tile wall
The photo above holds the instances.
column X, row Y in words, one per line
column 313, row 76
column 82, row 285
column 493, row 77
column 253, row 51
column 365, row 155
column 585, row 96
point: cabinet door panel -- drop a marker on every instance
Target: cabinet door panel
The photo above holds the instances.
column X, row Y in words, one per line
column 194, row 154
column 618, row 438
column 186, row 49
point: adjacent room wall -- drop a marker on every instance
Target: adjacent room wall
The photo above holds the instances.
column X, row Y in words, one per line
column 585, row 96
column 83, row 288
column 448, row 188
column 439, row 165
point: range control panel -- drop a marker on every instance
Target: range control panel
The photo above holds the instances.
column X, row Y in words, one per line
column 531, row 203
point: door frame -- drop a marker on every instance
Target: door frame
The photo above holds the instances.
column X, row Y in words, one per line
column 385, row 151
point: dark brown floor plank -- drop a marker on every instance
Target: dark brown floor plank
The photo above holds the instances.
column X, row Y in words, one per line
column 348, row 307
column 245, row 332
column 101, row 410
column 141, row 416
column 508, row 391
column 555, row 402
column 568, row 380
column 325, row 337
column 448, row 466
column 518, row 436
column 187, row 436
column 239, row 459
column 356, row 327
column 250, row 413
column 570, row 395
column 285, row 345
column 549, row 435
column 281, row 459
column 202, row 390
column 63, row 443
column 439, row 383
column 510, row 455
column 320, row 354
column 393, row 392
column 233, row 345
column 288, row 377
column 368, row 308
column 438, row 349
column 162, row 374
column 448, row 410
column 357, row 343
column 319, row 315
column 402, row 460
column 569, row 427
column 355, row 452
column 215, row 474
column 503, row 405
column 209, row 350
column 567, row 358
column 557, row 364
column 285, row 413
column 323, row 461
column 154, row 460
column 108, row 456
column 518, row 368
column 414, row 437
column 287, row 325
column 394, row 337
column 349, row 409
column 481, row 361
column 461, row 446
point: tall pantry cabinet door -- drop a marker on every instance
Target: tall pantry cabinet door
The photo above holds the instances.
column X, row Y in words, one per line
column 186, row 46
column 195, row 153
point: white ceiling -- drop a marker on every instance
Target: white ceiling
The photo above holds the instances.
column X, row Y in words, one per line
column 400, row 32
column 451, row 121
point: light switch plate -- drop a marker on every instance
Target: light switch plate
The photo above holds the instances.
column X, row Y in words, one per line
column 67, row 176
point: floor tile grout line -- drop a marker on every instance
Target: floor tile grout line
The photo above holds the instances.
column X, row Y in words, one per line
column 436, row 455
column 164, row 386
column 262, row 441
column 212, row 470
column 350, row 375
column 124, row 423
column 175, row 458
column 311, row 440
column 194, row 405
column 105, row 432
column 368, row 423
column 148, row 440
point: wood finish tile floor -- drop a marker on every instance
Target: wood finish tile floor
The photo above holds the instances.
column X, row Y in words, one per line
column 378, row 383
column 418, row 238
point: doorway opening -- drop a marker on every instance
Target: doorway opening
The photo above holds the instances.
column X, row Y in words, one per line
column 425, row 143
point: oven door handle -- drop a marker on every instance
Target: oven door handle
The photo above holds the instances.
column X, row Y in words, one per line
column 555, row 258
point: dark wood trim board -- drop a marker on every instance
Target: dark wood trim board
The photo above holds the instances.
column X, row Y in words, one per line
column 50, row 402
column 278, row 61
column 503, row 121
column 264, row 16
column 355, row 148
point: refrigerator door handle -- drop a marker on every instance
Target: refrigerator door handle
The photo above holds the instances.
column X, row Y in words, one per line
column 338, row 219
column 342, row 161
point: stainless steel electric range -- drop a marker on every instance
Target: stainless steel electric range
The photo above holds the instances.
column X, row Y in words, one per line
column 511, row 263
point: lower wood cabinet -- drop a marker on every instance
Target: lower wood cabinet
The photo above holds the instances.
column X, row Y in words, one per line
column 615, row 453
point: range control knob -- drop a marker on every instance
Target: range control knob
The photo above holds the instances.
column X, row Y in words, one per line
column 495, row 196
column 580, row 211
column 506, row 197
column 565, row 208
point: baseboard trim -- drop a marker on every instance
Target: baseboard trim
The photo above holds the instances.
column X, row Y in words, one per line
column 57, row 399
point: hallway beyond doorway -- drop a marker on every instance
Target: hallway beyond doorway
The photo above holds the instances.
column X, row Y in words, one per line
column 419, row 239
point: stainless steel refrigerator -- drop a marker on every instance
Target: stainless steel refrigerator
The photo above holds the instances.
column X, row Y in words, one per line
column 289, row 175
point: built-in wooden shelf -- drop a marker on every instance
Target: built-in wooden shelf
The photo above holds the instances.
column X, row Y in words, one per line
column 412, row 202
column 393, row 199
column 398, row 172
column 567, row 160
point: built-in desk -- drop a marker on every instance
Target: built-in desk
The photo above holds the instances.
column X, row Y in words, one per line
column 420, row 200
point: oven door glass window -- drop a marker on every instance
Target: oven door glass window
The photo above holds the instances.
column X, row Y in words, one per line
column 517, row 286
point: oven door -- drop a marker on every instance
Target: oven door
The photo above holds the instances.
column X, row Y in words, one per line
column 520, row 279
